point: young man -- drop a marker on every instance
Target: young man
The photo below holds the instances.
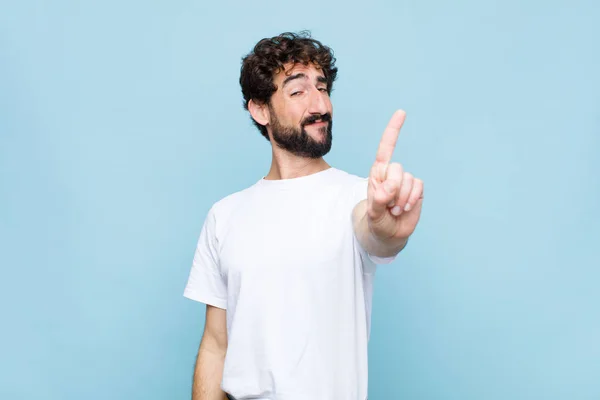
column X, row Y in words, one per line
column 286, row 266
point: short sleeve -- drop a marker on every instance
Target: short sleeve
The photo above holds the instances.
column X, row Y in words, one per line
column 359, row 194
column 205, row 283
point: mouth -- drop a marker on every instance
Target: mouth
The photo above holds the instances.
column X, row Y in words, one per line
column 318, row 124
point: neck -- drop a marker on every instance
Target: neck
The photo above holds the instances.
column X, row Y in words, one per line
column 287, row 166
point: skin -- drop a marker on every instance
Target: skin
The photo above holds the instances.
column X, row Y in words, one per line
column 386, row 219
column 293, row 103
column 210, row 360
column 383, row 222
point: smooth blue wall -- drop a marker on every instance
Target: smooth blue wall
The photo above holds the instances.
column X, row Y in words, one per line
column 122, row 122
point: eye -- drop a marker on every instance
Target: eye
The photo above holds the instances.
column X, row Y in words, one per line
column 323, row 90
column 295, row 93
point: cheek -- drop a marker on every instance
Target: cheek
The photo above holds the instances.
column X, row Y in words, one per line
column 295, row 114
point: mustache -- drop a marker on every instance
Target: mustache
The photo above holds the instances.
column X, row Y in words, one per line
column 314, row 118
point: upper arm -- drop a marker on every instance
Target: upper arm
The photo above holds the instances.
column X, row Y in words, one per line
column 206, row 283
column 215, row 329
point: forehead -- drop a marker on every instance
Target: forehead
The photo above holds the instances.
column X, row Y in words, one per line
column 311, row 70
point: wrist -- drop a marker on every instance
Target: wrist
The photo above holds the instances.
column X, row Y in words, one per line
column 385, row 247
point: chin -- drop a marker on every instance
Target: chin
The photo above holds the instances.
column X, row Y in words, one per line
column 318, row 132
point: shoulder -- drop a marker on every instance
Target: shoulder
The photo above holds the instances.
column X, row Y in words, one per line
column 350, row 179
column 231, row 201
column 226, row 206
column 355, row 185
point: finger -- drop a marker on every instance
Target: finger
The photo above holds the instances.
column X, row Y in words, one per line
column 415, row 194
column 385, row 193
column 389, row 138
column 393, row 182
column 403, row 194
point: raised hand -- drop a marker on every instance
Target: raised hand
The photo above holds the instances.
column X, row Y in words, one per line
column 394, row 197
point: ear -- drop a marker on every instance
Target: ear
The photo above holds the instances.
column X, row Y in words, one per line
column 259, row 112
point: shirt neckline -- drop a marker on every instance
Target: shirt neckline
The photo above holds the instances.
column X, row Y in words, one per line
column 298, row 181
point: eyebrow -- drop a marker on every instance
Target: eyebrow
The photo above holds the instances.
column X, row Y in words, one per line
column 301, row 75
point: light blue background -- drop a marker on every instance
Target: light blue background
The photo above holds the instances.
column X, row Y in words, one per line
column 122, row 122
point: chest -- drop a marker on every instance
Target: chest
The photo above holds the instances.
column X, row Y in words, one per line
column 282, row 234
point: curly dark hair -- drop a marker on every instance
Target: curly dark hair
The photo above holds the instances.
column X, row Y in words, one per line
column 269, row 57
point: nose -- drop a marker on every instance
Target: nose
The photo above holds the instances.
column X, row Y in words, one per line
column 318, row 103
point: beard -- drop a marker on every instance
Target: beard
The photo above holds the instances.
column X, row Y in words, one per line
column 298, row 142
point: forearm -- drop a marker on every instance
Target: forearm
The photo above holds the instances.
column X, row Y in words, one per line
column 379, row 247
column 208, row 375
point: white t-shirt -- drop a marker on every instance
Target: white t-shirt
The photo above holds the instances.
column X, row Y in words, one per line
column 282, row 258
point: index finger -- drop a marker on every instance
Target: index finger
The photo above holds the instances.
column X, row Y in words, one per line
column 389, row 138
